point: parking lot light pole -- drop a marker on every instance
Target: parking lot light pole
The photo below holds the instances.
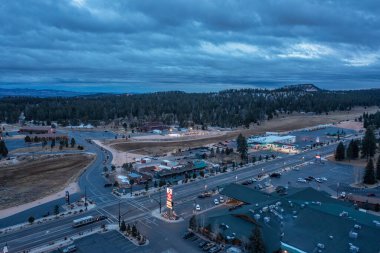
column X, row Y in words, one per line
column 119, row 214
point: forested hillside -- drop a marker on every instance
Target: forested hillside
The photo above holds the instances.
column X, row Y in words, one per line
column 228, row 108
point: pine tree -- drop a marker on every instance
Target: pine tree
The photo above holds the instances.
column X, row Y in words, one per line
column 355, row 149
column 123, row 227
column 72, row 142
column 369, row 143
column 256, row 241
column 350, row 150
column 27, row 139
column 369, row 175
column 378, row 168
column 340, row 151
column 242, row 146
column 3, row 149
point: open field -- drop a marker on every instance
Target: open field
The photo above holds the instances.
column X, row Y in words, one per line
column 280, row 124
column 30, row 179
column 39, row 148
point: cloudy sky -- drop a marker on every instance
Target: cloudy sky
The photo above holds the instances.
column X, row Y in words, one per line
column 204, row 45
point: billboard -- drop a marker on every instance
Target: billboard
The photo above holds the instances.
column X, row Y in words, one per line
column 169, row 198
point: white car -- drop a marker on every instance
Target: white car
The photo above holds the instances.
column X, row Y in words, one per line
column 221, row 199
column 301, row 180
column 216, row 201
column 197, row 207
column 323, row 178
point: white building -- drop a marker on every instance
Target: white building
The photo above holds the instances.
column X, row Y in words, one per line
column 286, row 139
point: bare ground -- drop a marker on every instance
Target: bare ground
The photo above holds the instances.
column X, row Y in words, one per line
column 41, row 149
column 30, row 180
column 281, row 124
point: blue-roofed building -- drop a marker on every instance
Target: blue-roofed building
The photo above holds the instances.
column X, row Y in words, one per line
column 199, row 164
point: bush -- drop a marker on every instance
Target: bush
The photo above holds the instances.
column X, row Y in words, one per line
column 31, row 219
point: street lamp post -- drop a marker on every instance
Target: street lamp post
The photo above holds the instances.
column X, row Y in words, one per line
column 120, row 215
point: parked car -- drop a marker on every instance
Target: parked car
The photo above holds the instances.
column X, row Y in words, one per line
column 246, row 182
column 301, row 180
column 221, row 199
column 187, row 235
column 215, row 249
column 70, row 248
column 107, row 185
column 275, row 175
column 216, row 201
column 208, row 246
column 371, row 195
column 197, row 207
column 202, row 244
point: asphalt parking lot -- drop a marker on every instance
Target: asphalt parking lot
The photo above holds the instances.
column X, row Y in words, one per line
column 339, row 176
column 103, row 243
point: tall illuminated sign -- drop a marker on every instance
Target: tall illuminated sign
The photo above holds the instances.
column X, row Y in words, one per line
column 169, row 198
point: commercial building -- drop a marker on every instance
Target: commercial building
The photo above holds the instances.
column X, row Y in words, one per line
column 268, row 139
column 304, row 220
column 37, row 130
column 284, row 144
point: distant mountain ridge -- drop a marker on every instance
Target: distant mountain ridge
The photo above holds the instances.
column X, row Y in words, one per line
column 17, row 92
column 307, row 87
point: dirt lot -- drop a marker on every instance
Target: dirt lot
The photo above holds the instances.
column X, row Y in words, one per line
column 30, row 180
column 282, row 123
column 41, row 149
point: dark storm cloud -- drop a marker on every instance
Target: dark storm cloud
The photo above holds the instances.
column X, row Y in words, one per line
column 184, row 45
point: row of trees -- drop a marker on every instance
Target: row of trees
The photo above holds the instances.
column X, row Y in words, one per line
column 228, row 108
column 132, row 231
column 44, row 142
column 351, row 153
column 371, row 120
column 367, row 147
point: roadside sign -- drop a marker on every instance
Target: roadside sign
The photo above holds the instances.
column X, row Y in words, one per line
column 169, row 198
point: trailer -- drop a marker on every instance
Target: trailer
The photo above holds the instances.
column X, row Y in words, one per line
column 87, row 220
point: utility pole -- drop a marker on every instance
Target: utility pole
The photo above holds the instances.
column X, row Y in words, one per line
column 119, row 214
column 85, row 197
column 160, row 199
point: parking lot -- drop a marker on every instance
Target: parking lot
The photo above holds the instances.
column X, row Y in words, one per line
column 305, row 137
column 103, row 243
column 325, row 175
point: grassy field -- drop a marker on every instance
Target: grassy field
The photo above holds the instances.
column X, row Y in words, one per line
column 30, row 179
column 282, row 123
